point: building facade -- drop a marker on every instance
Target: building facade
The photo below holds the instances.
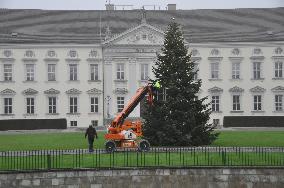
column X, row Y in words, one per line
column 52, row 82
column 90, row 81
column 241, row 79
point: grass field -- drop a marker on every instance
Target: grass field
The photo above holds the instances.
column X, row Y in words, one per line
column 42, row 141
column 250, row 138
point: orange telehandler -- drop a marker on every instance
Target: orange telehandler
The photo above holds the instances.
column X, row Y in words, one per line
column 123, row 133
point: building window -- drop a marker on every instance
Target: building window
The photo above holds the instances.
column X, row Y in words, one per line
column 194, row 52
column 236, row 51
column 95, row 123
column 236, row 103
column 73, row 53
column 30, row 105
column 51, row 53
column 161, row 94
column 215, row 103
column 7, row 72
column 94, row 71
column 51, row 72
column 93, row 53
column 73, row 123
column 144, row 72
column 73, row 105
column 94, row 104
column 29, row 53
column 7, row 53
column 30, row 70
column 257, row 103
column 216, row 122
column 144, row 37
column 278, row 50
column 73, row 72
column 278, row 102
column 256, row 70
column 120, row 104
column 120, row 71
column 195, row 71
column 7, row 105
column 214, row 70
column 215, row 52
column 257, row 51
column 235, row 70
column 51, row 105
column 278, row 69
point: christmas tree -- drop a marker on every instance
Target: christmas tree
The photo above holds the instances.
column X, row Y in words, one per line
column 178, row 117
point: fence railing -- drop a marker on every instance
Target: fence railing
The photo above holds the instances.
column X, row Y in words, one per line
column 156, row 157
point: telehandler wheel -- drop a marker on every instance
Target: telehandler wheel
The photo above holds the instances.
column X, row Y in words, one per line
column 143, row 145
column 110, row 146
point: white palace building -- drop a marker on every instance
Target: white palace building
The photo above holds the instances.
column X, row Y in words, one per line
column 85, row 65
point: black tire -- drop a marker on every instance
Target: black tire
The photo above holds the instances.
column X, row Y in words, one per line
column 143, row 145
column 110, row 146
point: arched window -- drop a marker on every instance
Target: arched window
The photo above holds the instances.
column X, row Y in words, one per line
column 51, row 53
column 257, row 51
column 278, row 50
column 215, row 52
column 7, row 53
column 73, row 53
column 29, row 53
column 235, row 51
column 93, row 53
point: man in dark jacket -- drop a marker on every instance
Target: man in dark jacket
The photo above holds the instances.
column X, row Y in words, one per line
column 92, row 133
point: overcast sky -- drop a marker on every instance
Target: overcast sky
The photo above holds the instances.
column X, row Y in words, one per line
column 137, row 4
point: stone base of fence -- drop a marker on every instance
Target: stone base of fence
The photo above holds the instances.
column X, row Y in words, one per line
column 148, row 178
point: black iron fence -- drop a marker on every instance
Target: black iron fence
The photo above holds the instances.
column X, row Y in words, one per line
column 156, row 157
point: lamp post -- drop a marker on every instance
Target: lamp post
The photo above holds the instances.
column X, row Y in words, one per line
column 108, row 99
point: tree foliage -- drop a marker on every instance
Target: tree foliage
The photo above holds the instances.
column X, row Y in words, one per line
column 178, row 117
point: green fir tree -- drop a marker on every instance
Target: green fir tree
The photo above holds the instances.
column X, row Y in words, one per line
column 178, row 117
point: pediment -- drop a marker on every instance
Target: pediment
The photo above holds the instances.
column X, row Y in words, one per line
column 143, row 34
column 278, row 89
column 7, row 92
column 236, row 89
column 73, row 91
column 30, row 91
column 51, row 91
column 120, row 91
column 257, row 89
column 215, row 90
column 94, row 91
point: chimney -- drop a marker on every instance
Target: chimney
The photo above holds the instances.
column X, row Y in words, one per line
column 172, row 7
column 109, row 6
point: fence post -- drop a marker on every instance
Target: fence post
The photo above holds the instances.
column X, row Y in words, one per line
column 48, row 161
column 224, row 158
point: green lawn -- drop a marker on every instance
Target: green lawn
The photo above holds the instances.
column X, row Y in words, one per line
column 38, row 141
column 250, row 138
